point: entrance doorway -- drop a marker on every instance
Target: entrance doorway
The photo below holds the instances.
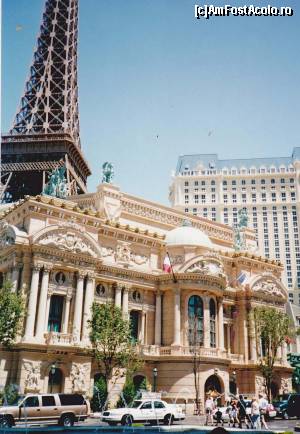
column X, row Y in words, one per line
column 214, row 388
column 55, row 383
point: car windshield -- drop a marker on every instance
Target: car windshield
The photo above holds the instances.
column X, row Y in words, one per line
column 136, row 404
column 284, row 397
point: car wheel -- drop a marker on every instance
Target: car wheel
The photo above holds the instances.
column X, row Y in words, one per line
column 5, row 422
column 168, row 419
column 67, row 420
column 112, row 423
column 127, row 420
column 285, row 416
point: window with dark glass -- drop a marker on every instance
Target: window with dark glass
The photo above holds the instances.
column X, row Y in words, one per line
column 32, row 401
column 55, row 313
column 195, row 315
column 212, row 322
column 48, row 401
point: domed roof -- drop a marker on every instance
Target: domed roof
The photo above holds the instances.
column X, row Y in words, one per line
column 186, row 235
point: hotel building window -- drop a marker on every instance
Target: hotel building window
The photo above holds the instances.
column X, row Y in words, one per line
column 186, row 199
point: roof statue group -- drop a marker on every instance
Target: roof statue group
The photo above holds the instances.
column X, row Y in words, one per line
column 57, row 184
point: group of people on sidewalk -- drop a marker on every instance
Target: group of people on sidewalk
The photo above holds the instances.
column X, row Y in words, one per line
column 238, row 412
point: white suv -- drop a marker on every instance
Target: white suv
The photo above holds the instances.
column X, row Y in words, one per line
column 144, row 410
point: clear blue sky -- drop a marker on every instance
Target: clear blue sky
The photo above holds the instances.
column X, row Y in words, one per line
column 147, row 68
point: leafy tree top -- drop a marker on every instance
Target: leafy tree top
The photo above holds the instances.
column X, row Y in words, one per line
column 12, row 311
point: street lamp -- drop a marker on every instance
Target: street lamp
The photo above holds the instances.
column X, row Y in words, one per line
column 52, row 372
column 154, row 378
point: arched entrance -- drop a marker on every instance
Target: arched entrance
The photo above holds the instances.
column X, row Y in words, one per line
column 214, row 387
column 55, row 383
column 139, row 382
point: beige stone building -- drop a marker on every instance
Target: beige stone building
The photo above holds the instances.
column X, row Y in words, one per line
column 63, row 255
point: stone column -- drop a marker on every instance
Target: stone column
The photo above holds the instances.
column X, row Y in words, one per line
column 66, row 313
column 252, row 337
column 15, row 277
column 177, row 318
column 158, row 319
column 87, row 313
column 78, row 308
column 125, row 301
column 229, row 338
column 142, row 327
column 206, row 322
column 49, row 294
column 220, row 325
column 118, row 295
column 40, row 325
column 284, row 353
column 31, row 309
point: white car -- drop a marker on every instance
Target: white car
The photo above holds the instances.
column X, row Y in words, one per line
column 144, row 410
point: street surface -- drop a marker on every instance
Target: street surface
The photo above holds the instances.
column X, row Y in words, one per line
column 274, row 425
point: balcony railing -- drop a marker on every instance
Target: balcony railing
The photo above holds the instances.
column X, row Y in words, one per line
column 156, row 350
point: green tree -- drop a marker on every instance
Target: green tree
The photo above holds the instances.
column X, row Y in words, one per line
column 12, row 311
column 128, row 393
column 112, row 344
column 272, row 328
column 99, row 394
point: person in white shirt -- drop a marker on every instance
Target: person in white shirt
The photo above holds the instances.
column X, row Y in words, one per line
column 209, row 407
column 255, row 413
column 263, row 405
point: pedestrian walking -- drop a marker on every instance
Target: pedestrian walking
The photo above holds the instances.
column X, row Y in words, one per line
column 263, row 405
column 234, row 414
column 242, row 413
column 255, row 413
column 209, row 408
column 219, row 417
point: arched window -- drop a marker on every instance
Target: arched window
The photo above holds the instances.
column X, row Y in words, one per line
column 195, row 313
column 212, row 322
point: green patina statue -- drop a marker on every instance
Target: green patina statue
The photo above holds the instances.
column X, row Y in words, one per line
column 107, row 172
column 239, row 238
column 57, row 185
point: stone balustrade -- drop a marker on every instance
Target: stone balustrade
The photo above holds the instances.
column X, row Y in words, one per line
column 181, row 351
column 55, row 338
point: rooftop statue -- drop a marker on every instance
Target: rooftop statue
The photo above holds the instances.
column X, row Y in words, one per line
column 57, row 185
column 107, row 172
column 239, row 237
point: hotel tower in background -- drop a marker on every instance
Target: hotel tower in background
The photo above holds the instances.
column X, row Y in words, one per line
column 268, row 188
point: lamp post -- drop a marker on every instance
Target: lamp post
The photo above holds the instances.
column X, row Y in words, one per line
column 154, row 378
column 52, row 372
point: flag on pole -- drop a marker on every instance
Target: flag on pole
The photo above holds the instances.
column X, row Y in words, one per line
column 167, row 265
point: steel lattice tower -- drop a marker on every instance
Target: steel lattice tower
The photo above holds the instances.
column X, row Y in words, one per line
column 45, row 131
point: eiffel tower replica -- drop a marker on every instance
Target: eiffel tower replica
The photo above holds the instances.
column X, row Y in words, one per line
column 45, row 131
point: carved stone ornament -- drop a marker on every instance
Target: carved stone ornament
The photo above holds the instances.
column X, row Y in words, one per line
column 33, row 375
column 123, row 253
column 206, row 267
column 68, row 241
column 79, row 377
column 260, row 385
column 286, row 385
column 138, row 259
column 107, row 251
column 177, row 259
column 268, row 287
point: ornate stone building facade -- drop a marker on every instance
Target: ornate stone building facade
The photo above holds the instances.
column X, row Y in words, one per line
column 63, row 255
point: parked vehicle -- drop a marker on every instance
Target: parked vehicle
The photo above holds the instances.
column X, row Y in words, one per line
column 61, row 408
column 144, row 410
column 288, row 405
